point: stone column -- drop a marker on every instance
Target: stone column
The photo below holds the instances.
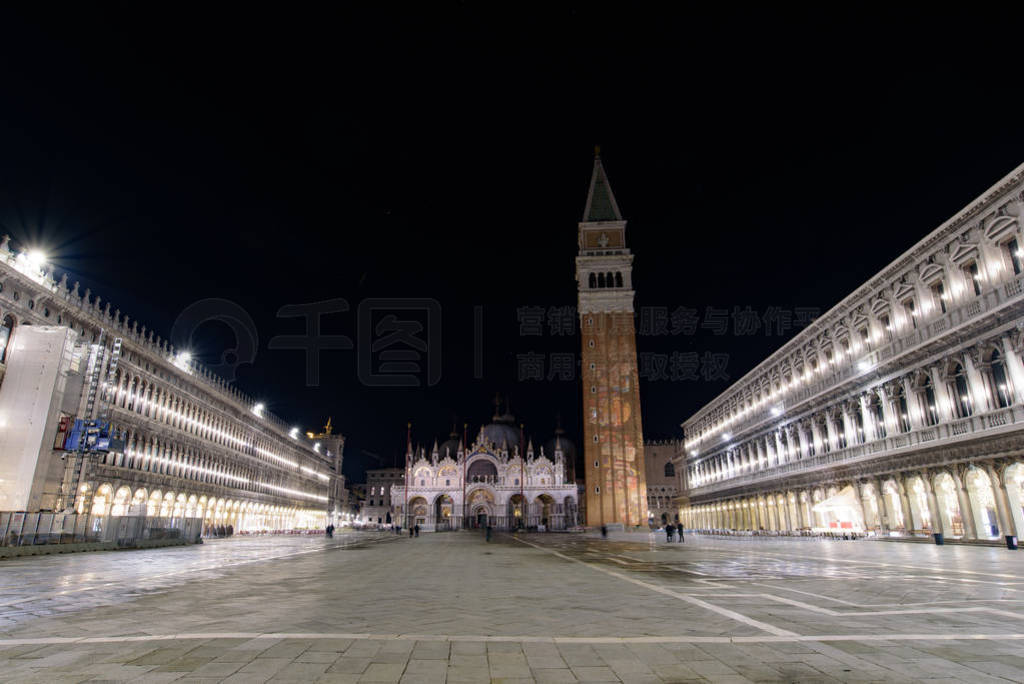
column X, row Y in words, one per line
column 908, row 519
column 780, row 451
column 866, row 417
column 1014, row 369
column 833, row 438
column 784, row 514
column 943, row 407
column 933, row 504
column 806, row 439
column 816, row 436
column 916, row 417
column 1006, row 525
column 863, row 496
column 885, row 399
column 1012, row 493
column 976, row 385
column 883, row 513
column 966, row 512
column 849, row 425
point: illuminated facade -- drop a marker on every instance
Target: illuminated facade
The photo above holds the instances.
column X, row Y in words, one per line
column 376, row 508
column 185, row 444
column 899, row 411
column 613, row 444
column 664, row 480
column 489, row 483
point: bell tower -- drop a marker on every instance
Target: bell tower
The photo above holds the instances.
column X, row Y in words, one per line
column 613, row 436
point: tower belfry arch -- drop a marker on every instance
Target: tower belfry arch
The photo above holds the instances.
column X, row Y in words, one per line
column 613, row 434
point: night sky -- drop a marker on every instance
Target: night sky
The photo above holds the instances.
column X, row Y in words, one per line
column 774, row 161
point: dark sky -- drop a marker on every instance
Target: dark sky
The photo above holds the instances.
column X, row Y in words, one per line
column 769, row 160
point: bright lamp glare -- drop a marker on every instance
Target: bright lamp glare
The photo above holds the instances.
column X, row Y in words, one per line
column 36, row 258
column 258, row 409
column 294, row 433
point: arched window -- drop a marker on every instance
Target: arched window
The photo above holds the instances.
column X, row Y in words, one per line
column 973, row 277
column 610, row 279
column 670, row 470
column 939, row 295
column 593, row 280
column 618, row 279
column 1002, row 385
column 600, row 279
column 901, row 406
column 880, row 431
column 931, row 411
column 963, row 396
column 886, row 324
column 5, row 336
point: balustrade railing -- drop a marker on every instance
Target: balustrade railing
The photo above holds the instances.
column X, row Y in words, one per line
column 987, row 301
column 972, row 425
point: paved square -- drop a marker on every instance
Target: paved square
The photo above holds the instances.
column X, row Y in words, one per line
column 547, row 608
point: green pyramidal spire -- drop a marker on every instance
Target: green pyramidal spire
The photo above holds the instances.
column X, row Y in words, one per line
column 601, row 204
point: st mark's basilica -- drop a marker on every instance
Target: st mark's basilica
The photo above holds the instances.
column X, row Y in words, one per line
column 498, row 480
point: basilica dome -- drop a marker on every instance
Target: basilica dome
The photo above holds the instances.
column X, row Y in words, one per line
column 450, row 447
column 568, row 447
column 502, row 430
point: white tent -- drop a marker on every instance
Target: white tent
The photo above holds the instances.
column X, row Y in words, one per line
column 845, row 506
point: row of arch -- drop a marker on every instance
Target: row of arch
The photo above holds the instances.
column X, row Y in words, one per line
column 245, row 516
column 150, row 399
column 981, row 501
column 602, row 280
column 915, row 303
column 133, row 391
column 483, row 507
column 538, row 472
column 145, row 453
column 977, row 380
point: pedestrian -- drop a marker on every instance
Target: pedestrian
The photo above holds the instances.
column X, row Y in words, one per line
column 487, row 532
column 669, row 529
column 411, row 532
column 604, row 531
column 417, row 528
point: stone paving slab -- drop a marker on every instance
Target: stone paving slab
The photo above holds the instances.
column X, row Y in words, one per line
column 548, row 608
